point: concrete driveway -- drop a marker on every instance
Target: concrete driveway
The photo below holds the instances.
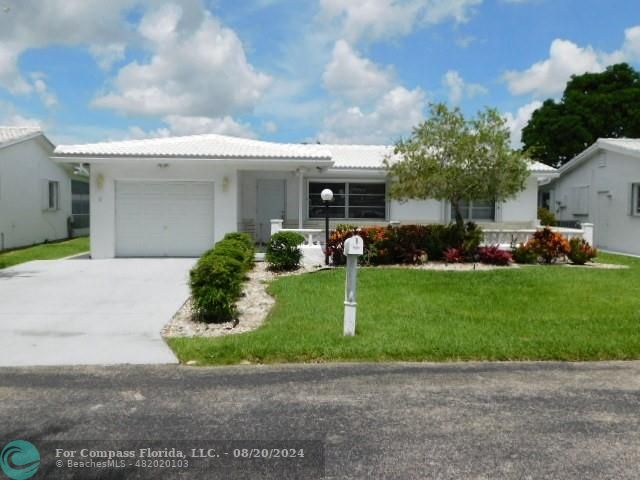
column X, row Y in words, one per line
column 88, row 312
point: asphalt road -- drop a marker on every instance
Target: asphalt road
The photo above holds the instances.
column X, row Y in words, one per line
column 422, row 421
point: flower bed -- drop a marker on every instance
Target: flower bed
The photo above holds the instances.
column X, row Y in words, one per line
column 417, row 244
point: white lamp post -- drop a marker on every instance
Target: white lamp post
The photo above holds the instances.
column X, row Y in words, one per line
column 327, row 198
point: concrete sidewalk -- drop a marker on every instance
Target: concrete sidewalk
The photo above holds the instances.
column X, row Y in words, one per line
column 81, row 311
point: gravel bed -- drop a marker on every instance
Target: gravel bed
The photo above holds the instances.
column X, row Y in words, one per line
column 253, row 307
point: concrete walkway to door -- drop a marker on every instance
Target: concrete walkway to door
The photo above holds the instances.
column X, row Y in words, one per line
column 88, row 312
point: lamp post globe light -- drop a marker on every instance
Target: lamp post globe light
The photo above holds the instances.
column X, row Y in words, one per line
column 327, row 197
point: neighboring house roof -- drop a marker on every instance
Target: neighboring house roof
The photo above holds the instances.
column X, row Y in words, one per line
column 195, row 146
column 12, row 135
column 625, row 146
column 346, row 157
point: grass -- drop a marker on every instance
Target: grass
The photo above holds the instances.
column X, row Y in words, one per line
column 531, row 313
column 44, row 251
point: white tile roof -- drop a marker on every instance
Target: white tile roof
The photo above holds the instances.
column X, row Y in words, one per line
column 195, row 146
column 541, row 167
column 221, row 146
column 372, row 157
column 626, row 146
column 359, row 156
column 12, row 134
column 631, row 145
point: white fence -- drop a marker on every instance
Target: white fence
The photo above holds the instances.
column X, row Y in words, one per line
column 508, row 237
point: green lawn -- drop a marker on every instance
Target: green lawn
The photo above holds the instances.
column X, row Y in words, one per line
column 45, row 251
column 537, row 312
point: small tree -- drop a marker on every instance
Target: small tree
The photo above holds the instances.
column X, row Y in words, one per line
column 448, row 157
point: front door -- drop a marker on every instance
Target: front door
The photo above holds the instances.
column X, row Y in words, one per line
column 271, row 204
column 602, row 220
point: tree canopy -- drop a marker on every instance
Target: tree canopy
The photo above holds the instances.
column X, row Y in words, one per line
column 594, row 105
column 449, row 157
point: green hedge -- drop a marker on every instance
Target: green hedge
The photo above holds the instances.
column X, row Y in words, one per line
column 216, row 280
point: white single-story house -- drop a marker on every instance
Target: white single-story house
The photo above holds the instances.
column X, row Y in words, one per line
column 35, row 193
column 601, row 185
column 177, row 196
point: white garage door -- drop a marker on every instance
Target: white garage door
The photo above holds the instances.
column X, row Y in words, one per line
column 159, row 219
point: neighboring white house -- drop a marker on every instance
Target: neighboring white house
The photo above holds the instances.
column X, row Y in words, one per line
column 177, row 196
column 35, row 193
column 601, row 186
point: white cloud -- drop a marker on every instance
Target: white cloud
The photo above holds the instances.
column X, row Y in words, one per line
column 107, row 55
column 549, row 77
column 518, row 121
column 9, row 116
column 376, row 19
column 177, row 125
column 41, row 88
column 354, row 77
column 270, row 127
column 395, row 114
column 459, row 89
column 36, row 24
column 198, row 68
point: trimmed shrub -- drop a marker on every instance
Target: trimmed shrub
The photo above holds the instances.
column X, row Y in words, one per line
column 244, row 238
column 494, row 256
column 216, row 280
column 524, row 254
column 236, row 249
column 549, row 245
column 215, row 286
column 283, row 251
column 454, row 255
column 546, row 217
column 580, row 252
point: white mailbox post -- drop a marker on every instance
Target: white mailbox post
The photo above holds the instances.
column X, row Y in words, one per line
column 353, row 248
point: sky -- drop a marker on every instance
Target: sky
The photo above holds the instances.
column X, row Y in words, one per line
column 329, row 71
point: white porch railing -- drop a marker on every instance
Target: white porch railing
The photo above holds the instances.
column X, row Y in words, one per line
column 503, row 236
column 308, row 233
column 312, row 253
column 506, row 236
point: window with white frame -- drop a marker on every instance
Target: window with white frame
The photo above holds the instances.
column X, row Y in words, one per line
column 53, row 194
column 350, row 200
column 477, row 210
column 635, row 199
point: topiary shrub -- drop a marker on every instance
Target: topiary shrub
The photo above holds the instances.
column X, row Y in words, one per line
column 493, row 255
column 524, row 254
column 549, row 245
column 580, row 252
column 546, row 217
column 283, row 251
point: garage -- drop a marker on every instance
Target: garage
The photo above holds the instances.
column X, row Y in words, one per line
column 164, row 218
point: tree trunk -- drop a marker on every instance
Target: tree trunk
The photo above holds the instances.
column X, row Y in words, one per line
column 457, row 215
